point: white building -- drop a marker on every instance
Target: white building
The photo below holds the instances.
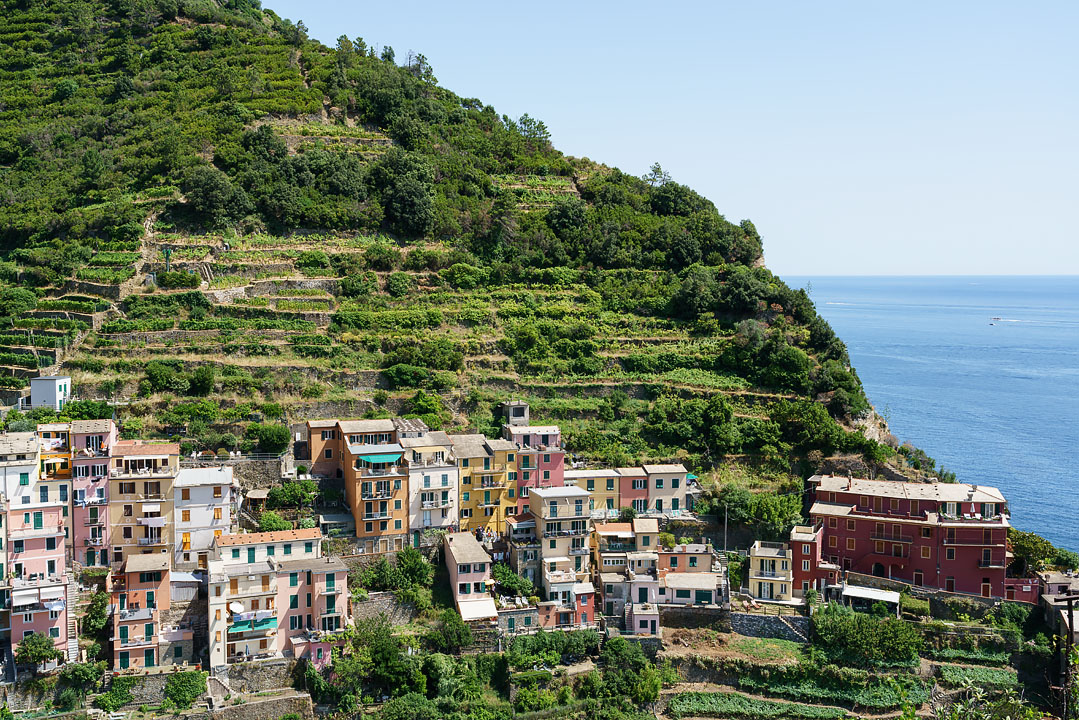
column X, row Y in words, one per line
column 51, row 391
column 432, row 484
column 205, row 501
column 20, row 467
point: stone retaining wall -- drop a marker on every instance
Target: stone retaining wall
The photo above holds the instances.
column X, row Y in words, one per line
column 688, row 616
column 383, row 603
column 771, row 626
column 260, row 676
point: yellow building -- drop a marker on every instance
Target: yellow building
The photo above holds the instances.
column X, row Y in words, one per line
column 770, row 575
column 141, row 497
column 488, row 481
column 602, row 487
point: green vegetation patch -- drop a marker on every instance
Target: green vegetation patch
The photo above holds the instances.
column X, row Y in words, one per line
column 735, row 705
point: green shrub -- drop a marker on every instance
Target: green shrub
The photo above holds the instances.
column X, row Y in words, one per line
column 184, row 688
column 858, row 639
column 734, row 705
column 178, row 279
column 955, row 676
column 118, row 695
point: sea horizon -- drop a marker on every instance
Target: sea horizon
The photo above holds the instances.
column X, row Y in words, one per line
column 983, row 376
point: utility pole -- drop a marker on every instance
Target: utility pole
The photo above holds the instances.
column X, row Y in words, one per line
column 168, row 259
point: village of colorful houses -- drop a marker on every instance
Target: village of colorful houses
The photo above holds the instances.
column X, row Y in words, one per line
column 190, row 587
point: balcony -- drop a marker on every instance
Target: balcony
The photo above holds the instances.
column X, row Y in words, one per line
column 92, row 500
column 991, row 564
column 884, row 537
column 262, row 627
column 769, row 574
column 433, row 462
column 151, row 497
column 150, row 541
column 618, row 547
column 155, row 521
column 380, row 472
column 578, row 551
column 384, row 515
column 490, row 483
column 96, row 541
column 26, row 533
column 90, row 522
column 491, row 469
column 37, row 579
column 432, row 504
column 136, row 641
column 572, row 532
column 560, row 576
column 376, row 494
column 136, row 614
column 136, row 473
column 577, row 514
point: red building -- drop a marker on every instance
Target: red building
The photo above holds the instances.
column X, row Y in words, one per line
column 809, row 568
column 948, row 536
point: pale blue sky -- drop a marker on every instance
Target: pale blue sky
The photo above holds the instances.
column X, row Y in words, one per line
column 915, row 138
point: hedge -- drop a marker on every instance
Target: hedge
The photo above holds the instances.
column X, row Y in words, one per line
column 955, row 676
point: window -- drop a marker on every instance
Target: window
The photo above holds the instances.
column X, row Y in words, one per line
column 308, row 547
column 693, row 561
column 659, row 483
column 294, row 602
column 949, row 554
column 850, row 543
column 638, row 483
column 271, row 550
column 610, row 484
column 63, row 493
column 217, row 491
column 293, row 579
column 546, row 474
column 287, row 548
column 217, row 513
column 18, row 548
column 43, row 493
column 674, row 561
column 590, row 485
column 24, row 478
column 186, row 516
column 926, row 551
column 328, row 453
column 235, row 553
column 682, row 594
column 185, row 494
column 850, row 524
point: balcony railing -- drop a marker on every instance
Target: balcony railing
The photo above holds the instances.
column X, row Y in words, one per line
column 136, row 614
column 490, row 483
column 490, row 469
column 572, row 532
column 376, row 515
column 90, row 522
column 134, row 641
column 92, row 500
column 151, row 541
column 151, row 497
column 884, row 537
column 994, row 564
column 35, row 532
column 578, row 551
column 163, row 471
column 381, row 472
column 94, row 540
column 617, row 547
column 431, row 504
column 376, row 494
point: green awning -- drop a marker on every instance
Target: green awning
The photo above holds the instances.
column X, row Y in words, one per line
column 246, row 625
column 383, row 458
column 690, row 476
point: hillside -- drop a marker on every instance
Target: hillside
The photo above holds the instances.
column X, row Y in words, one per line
column 331, row 233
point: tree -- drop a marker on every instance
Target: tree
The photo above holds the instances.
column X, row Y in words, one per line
column 626, row 514
column 36, row 649
column 413, row 706
column 97, row 614
column 201, row 381
column 273, row 438
column 451, row 634
column 16, row 301
column 656, row 176
column 1031, row 548
column 210, row 192
column 666, row 539
column 85, row 678
column 415, row 570
column 269, row 521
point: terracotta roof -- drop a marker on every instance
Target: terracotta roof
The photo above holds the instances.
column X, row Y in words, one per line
column 613, row 527
column 269, row 537
column 941, row 492
column 142, row 447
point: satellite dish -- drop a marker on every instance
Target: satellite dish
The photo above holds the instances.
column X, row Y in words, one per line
column 235, row 607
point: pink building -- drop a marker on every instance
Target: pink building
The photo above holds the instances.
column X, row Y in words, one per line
column 312, row 608
column 810, row 571
column 140, row 594
column 540, row 458
column 470, row 577
column 91, row 443
column 633, row 489
column 40, row 593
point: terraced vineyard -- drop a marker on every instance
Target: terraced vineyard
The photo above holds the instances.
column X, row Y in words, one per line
column 273, row 228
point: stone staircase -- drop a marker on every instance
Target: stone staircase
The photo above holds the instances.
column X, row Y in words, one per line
column 72, row 600
column 794, row 629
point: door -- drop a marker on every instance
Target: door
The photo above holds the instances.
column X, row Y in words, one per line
column 148, row 658
column 150, row 599
column 416, row 539
column 703, row 597
column 512, row 624
column 653, row 627
column 125, row 660
column 642, row 595
column 250, row 555
column 610, row 608
column 986, row 589
column 39, row 521
column 123, row 634
column 764, row 591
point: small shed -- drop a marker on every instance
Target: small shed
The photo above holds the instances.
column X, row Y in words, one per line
column 864, row 598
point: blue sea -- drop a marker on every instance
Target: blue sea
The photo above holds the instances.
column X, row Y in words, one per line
column 980, row 372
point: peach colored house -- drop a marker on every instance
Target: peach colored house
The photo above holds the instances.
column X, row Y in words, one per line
column 140, row 594
column 470, row 577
